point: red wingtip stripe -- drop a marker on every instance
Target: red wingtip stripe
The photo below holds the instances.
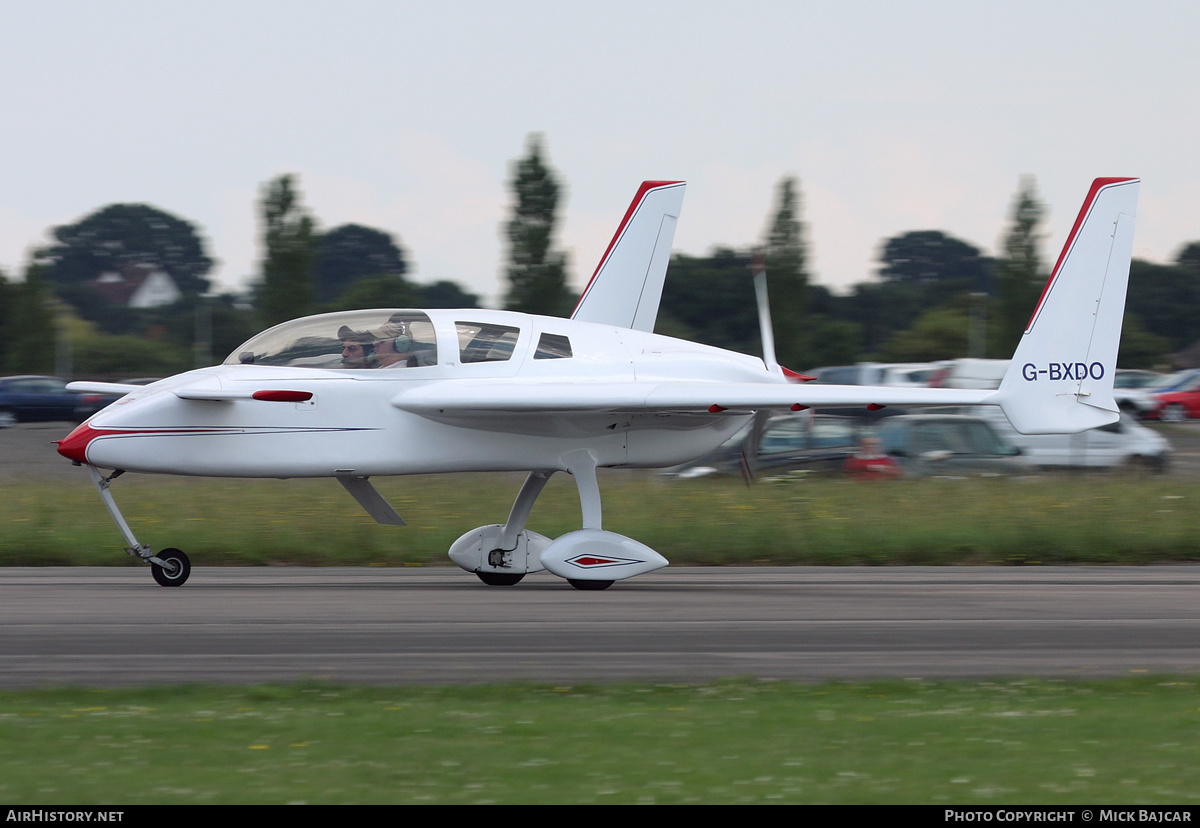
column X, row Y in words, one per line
column 646, row 187
column 1097, row 185
column 795, row 376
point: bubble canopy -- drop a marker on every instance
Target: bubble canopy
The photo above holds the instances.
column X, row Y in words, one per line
column 360, row 339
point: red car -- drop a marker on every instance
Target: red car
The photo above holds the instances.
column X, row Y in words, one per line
column 1178, row 405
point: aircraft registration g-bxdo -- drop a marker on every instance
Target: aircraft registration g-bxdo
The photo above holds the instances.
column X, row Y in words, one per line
column 387, row 392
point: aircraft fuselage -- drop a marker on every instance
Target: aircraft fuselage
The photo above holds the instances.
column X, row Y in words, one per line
column 354, row 422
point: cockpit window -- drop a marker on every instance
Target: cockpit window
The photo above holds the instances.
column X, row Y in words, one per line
column 482, row 342
column 353, row 339
column 553, row 346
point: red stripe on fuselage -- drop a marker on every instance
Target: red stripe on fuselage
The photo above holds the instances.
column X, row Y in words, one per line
column 75, row 446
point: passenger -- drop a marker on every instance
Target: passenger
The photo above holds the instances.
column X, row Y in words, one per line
column 393, row 341
column 358, row 348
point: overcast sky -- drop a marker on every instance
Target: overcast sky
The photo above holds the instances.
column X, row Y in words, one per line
column 406, row 116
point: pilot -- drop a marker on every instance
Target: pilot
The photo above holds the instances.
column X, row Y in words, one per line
column 358, row 348
column 393, row 341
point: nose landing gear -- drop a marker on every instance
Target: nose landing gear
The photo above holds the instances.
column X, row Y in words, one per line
column 170, row 567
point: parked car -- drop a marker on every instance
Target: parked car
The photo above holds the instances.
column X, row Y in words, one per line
column 1123, row 443
column 1145, row 400
column 915, row 374
column 30, row 399
column 1177, row 404
column 949, row 444
column 1128, row 384
column 796, row 441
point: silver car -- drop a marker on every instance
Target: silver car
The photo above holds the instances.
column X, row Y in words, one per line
column 949, row 444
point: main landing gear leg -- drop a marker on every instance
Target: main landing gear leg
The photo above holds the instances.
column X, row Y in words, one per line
column 583, row 469
column 582, row 466
column 522, row 506
column 502, row 554
column 170, row 567
column 517, row 516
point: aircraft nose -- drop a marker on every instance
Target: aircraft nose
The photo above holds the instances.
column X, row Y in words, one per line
column 74, row 447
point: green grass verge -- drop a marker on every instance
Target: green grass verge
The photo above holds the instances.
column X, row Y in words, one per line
column 1129, row 741
column 824, row 521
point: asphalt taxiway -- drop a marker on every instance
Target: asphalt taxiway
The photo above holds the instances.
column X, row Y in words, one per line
column 115, row 627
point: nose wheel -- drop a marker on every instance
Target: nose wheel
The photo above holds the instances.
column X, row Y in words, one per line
column 174, row 569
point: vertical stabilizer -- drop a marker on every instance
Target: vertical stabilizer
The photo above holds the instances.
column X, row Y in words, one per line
column 626, row 288
column 1061, row 376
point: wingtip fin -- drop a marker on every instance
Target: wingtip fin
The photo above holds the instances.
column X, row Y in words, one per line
column 626, row 287
column 1060, row 379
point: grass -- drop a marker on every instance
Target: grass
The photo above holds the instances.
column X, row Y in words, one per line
column 1130, row 741
column 822, row 521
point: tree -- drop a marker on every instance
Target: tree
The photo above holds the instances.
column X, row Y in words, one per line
column 537, row 276
column 881, row 309
column 6, row 302
column 387, row 290
column 787, row 276
column 708, row 299
column 1139, row 348
column 289, row 236
column 445, row 294
column 927, row 256
column 8, row 295
column 27, row 331
column 350, row 252
column 106, row 355
column 939, row 333
column 120, row 235
column 1166, row 299
column 1020, row 274
column 1189, row 256
column 830, row 341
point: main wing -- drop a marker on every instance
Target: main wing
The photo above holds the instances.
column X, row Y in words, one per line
column 475, row 400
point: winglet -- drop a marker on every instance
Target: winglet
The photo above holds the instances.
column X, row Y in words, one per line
column 758, row 265
column 1060, row 379
column 626, row 288
column 109, row 388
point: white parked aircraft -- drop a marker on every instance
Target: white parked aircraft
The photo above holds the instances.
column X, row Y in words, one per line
column 386, row 392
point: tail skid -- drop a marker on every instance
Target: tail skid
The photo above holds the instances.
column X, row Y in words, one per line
column 1060, row 379
column 626, row 288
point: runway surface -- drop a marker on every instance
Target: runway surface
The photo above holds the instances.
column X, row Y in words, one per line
column 115, row 627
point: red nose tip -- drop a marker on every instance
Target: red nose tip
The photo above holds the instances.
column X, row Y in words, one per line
column 74, row 447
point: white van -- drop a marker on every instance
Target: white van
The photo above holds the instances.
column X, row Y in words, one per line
column 970, row 373
column 915, row 374
column 1124, row 443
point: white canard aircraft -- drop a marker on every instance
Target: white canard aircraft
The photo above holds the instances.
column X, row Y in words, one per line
column 358, row 394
